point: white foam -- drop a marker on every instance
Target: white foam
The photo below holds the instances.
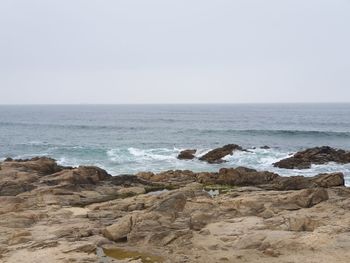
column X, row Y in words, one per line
column 69, row 162
column 159, row 154
column 132, row 160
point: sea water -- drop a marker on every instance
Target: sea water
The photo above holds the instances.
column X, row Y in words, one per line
column 125, row 139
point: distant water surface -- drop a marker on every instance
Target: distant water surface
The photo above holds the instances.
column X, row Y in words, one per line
column 132, row 138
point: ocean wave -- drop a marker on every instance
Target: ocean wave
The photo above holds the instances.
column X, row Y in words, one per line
column 304, row 133
column 132, row 160
column 161, row 159
column 199, row 132
column 137, row 155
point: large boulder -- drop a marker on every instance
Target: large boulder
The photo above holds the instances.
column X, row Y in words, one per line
column 119, row 230
column 216, row 155
column 329, row 180
column 305, row 198
column 83, row 175
column 18, row 176
column 291, row 183
column 187, row 154
column 41, row 165
column 243, row 176
column 300, row 182
column 317, row 155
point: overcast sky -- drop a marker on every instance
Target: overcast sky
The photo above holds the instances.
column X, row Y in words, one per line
column 174, row 51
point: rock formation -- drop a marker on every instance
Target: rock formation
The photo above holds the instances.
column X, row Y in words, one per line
column 187, row 154
column 265, row 147
column 216, row 155
column 55, row 214
column 317, row 155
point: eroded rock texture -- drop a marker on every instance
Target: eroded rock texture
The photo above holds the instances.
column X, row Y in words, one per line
column 317, row 155
column 50, row 213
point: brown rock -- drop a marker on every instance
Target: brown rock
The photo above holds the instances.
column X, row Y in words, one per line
column 78, row 176
column 329, row 180
column 19, row 176
column 170, row 178
column 131, row 191
column 187, row 154
column 146, row 175
column 302, row 223
column 271, row 252
column 119, row 230
column 19, row 237
column 242, row 176
column 41, row 165
column 71, row 212
column 305, row 198
column 301, row 182
column 317, row 155
column 173, row 204
column 13, row 188
column 216, row 155
column 199, row 220
column 291, row 183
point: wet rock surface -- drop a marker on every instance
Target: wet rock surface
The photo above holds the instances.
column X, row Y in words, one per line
column 318, row 155
column 50, row 213
column 216, row 155
column 187, row 154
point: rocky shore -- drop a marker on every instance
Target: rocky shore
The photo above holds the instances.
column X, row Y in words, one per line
column 51, row 213
column 317, row 155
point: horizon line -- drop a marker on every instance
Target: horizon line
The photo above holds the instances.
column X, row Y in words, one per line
column 165, row 103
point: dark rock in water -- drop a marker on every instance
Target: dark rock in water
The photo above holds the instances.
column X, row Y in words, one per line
column 265, row 147
column 187, row 154
column 8, row 159
column 216, row 155
column 317, row 155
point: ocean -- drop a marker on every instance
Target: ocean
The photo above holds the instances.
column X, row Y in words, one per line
column 125, row 139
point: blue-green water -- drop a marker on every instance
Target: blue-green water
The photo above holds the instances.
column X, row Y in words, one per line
column 132, row 138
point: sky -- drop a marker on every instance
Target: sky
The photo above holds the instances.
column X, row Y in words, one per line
column 174, row 51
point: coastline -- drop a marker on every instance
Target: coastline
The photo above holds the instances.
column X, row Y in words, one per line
column 71, row 214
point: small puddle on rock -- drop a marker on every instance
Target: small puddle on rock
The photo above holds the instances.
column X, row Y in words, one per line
column 121, row 254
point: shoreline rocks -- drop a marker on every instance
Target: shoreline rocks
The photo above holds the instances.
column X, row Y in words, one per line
column 216, row 155
column 72, row 214
column 242, row 176
column 317, row 155
column 187, row 154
